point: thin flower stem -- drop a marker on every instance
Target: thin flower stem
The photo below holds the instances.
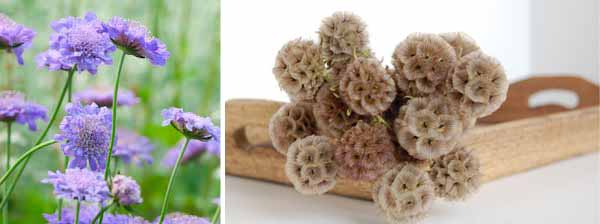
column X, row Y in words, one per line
column 23, row 158
column 6, row 187
column 216, row 215
column 114, row 118
column 99, row 215
column 171, row 180
column 77, row 211
column 66, row 162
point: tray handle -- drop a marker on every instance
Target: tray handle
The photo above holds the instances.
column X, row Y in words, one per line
column 517, row 101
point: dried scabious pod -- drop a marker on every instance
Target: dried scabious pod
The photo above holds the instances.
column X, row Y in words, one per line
column 365, row 151
column 456, row 175
column 291, row 122
column 310, row 165
column 428, row 127
column 331, row 113
column 482, row 82
column 299, row 69
column 366, row 87
column 343, row 36
column 462, row 43
column 426, row 60
column 404, row 194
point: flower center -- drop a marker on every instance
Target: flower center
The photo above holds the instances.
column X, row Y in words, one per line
column 85, row 40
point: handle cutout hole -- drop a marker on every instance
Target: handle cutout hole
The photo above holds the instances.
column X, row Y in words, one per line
column 561, row 97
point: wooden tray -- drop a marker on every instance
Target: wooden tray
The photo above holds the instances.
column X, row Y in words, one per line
column 514, row 139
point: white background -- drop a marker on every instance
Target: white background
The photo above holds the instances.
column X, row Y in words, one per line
column 527, row 36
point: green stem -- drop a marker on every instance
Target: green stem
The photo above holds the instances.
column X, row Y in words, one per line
column 216, row 215
column 77, row 211
column 24, row 157
column 99, row 215
column 171, row 179
column 114, row 118
column 66, row 162
column 6, row 187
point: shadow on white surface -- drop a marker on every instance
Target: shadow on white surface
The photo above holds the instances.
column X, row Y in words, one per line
column 564, row 192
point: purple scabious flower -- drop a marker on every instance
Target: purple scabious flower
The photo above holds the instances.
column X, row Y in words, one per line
column 182, row 218
column 134, row 38
column 14, row 37
column 86, row 215
column 123, row 219
column 14, row 108
column 85, row 135
column 103, row 97
column 190, row 124
column 79, row 42
column 133, row 148
column 78, row 184
column 194, row 149
column 126, row 191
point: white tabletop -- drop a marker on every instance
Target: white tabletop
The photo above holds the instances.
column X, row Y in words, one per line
column 564, row 192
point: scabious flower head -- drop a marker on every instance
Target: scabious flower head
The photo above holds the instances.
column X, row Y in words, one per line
column 14, row 38
column 182, row 218
column 85, row 135
column 194, row 150
column 123, row 219
column 78, row 184
column 134, row 38
column 86, row 215
column 79, row 42
column 103, row 97
column 190, row 124
column 14, row 108
column 126, row 191
column 132, row 147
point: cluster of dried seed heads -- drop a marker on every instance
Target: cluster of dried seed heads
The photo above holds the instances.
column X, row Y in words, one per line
column 404, row 193
column 365, row 152
column 310, row 165
column 291, row 122
column 331, row 113
column 299, row 69
column 456, row 175
column 366, row 87
column 427, row 127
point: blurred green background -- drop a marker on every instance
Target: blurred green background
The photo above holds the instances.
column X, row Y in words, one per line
column 191, row 31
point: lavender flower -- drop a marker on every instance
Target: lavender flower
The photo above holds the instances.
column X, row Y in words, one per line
column 14, row 108
column 182, row 218
column 217, row 201
column 78, row 42
column 14, row 38
column 133, row 38
column 126, row 191
column 194, row 149
column 85, row 135
column 86, row 215
column 132, row 147
column 104, row 97
column 79, row 184
column 190, row 124
column 123, row 219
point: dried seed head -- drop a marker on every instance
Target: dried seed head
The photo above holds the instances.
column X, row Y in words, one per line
column 291, row 122
column 462, row 43
column 366, row 87
column 343, row 36
column 310, row 165
column 299, row 69
column 365, row 152
column 456, row 175
column 428, row 127
column 403, row 194
column 331, row 113
column 423, row 62
column 480, row 83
